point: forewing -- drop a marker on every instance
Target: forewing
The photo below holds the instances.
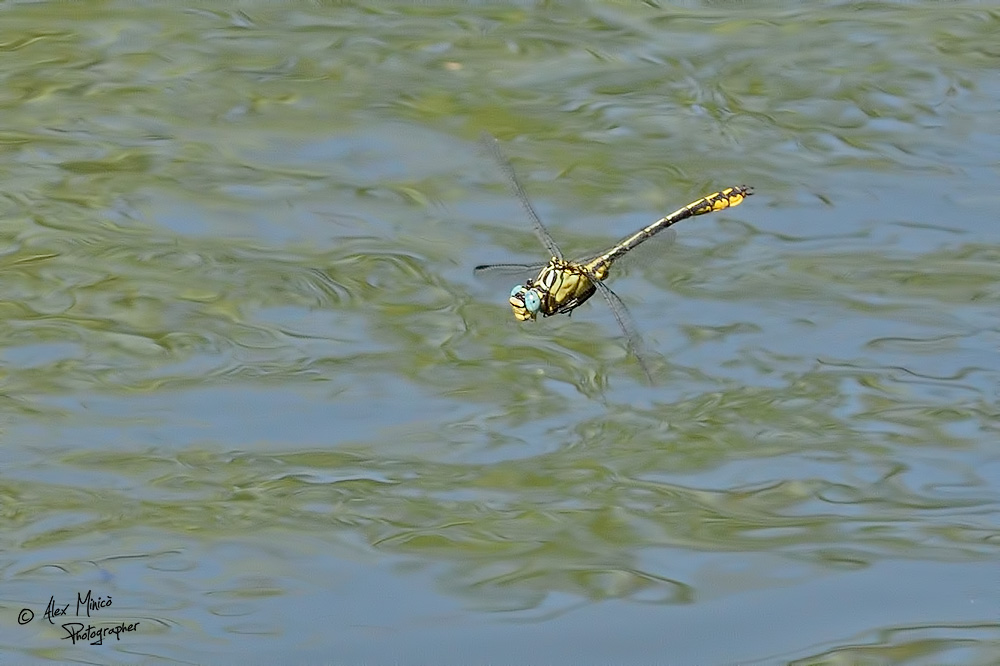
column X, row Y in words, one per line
column 506, row 275
column 507, row 269
column 493, row 146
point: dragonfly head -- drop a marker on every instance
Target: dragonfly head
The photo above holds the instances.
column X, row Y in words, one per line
column 525, row 301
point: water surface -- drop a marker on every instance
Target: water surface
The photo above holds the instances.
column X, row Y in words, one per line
column 253, row 393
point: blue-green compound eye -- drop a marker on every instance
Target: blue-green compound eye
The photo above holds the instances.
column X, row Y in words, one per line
column 532, row 301
column 517, row 291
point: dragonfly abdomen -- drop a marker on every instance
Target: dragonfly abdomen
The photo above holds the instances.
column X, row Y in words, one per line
column 727, row 198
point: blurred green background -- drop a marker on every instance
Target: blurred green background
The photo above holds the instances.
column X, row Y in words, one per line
column 252, row 390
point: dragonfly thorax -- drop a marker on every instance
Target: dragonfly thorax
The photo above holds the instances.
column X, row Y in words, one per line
column 560, row 287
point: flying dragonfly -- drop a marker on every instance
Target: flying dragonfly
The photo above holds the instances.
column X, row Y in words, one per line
column 562, row 285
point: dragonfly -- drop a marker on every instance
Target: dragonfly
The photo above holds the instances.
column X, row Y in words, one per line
column 562, row 285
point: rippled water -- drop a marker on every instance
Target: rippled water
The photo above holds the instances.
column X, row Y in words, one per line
column 254, row 395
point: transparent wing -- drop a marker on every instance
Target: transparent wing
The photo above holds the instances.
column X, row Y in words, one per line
column 507, row 269
column 506, row 275
column 627, row 325
column 644, row 254
column 493, row 146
